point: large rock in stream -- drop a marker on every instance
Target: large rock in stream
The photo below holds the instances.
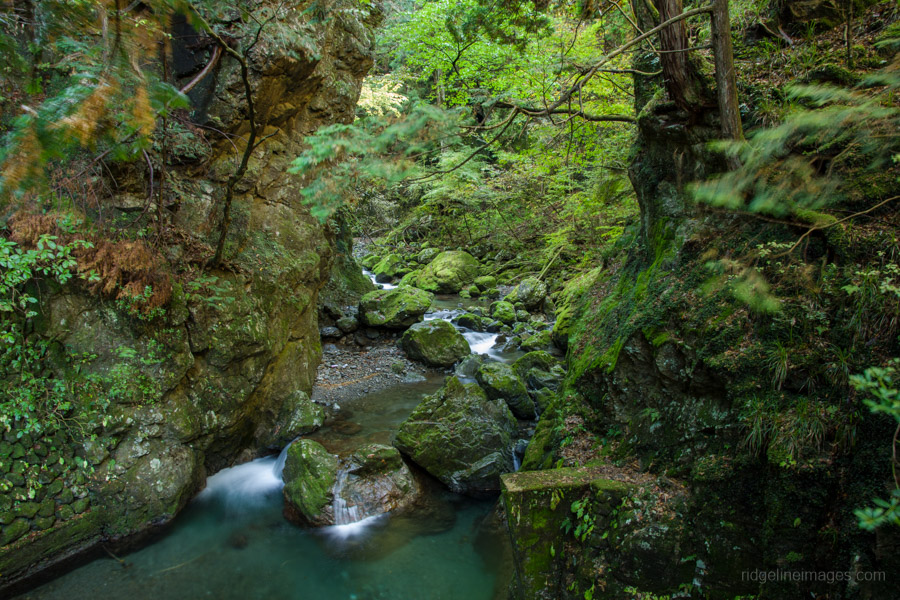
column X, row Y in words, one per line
column 499, row 381
column 449, row 272
column 530, row 292
column 320, row 489
column 461, row 437
column 394, row 309
column 436, row 343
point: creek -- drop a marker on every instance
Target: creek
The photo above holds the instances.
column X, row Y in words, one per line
column 232, row 542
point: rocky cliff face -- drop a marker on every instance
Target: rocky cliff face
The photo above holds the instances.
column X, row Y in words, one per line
column 226, row 373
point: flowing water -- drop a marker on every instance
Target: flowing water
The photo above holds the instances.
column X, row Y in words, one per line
column 232, row 541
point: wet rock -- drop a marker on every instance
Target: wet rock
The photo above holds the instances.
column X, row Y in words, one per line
column 449, row 272
column 503, row 312
column 499, row 381
column 435, row 343
column 461, row 437
column 469, row 366
column 309, row 476
column 470, row 321
column 394, row 309
column 523, row 316
column 530, row 292
column 372, row 481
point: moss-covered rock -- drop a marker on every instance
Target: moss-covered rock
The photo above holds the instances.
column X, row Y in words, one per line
column 461, row 437
column 538, row 341
column 411, row 278
column 534, row 360
column 436, row 343
column 531, row 292
column 538, row 503
column 449, row 272
column 426, row 255
column 486, row 282
column 394, row 309
column 499, row 381
column 389, row 267
column 504, row 312
column 309, row 475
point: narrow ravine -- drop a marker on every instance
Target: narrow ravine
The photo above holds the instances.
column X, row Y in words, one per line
column 233, row 542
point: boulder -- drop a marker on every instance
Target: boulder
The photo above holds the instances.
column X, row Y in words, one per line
column 539, row 341
column 388, row 267
column 530, row 292
column 411, row 278
column 461, row 437
column 372, row 481
column 394, row 309
column 504, row 312
column 486, row 282
column 309, row 476
column 426, row 256
column 435, row 343
column 449, row 272
column 499, row 381
column 534, row 360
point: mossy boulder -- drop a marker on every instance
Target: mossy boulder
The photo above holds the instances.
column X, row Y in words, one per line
column 539, row 341
column 504, row 312
column 531, row 292
column 369, row 261
column 461, row 437
column 411, row 278
column 309, row 476
column 436, row 343
column 499, row 381
column 426, row 256
column 394, row 309
column 486, row 282
column 388, row 268
column 534, row 360
column 449, row 272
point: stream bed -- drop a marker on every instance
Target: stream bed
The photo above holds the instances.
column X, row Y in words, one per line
column 232, row 541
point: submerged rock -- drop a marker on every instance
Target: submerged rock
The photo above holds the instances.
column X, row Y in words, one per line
column 436, row 343
column 499, row 381
column 449, row 272
column 461, row 437
column 394, row 309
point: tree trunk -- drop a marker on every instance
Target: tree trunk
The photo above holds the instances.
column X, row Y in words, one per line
column 726, row 86
column 680, row 76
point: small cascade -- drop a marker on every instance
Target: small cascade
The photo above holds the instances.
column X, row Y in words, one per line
column 343, row 514
column 481, row 343
column 384, row 286
column 517, row 463
column 245, row 486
